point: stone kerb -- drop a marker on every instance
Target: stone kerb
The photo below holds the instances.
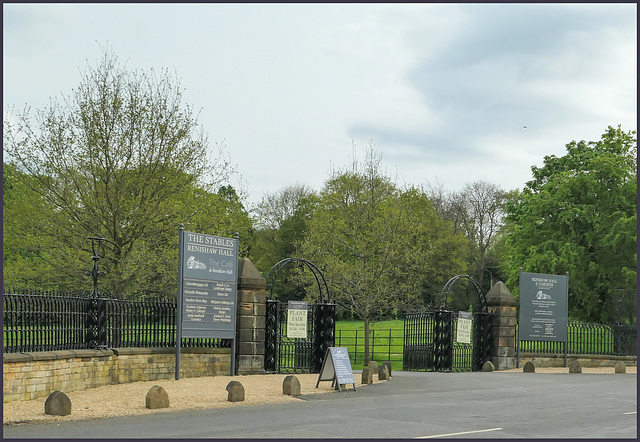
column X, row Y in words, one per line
column 502, row 304
column 291, row 386
column 367, row 377
column 57, row 404
column 236, row 391
column 157, row 397
column 252, row 309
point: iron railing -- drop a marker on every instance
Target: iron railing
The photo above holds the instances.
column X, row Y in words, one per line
column 51, row 321
column 589, row 339
column 384, row 345
column 44, row 321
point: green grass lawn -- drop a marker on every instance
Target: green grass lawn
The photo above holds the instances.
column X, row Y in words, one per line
column 385, row 341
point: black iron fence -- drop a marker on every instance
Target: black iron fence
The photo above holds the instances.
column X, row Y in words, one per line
column 590, row 339
column 384, row 345
column 50, row 321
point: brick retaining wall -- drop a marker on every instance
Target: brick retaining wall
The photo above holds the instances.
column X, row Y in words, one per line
column 28, row 376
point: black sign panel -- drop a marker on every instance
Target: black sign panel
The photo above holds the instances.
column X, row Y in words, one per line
column 543, row 307
column 209, row 280
column 336, row 367
column 209, row 257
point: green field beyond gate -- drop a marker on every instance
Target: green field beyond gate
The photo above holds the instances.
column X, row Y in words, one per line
column 386, row 339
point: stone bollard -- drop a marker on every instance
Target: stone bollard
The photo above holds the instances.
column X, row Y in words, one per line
column 383, row 373
column 620, row 367
column 529, row 367
column 367, row 378
column 373, row 367
column 157, row 397
column 236, row 391
column 291, row 386
column 388, row 365
column 488, row 366
column 57, row 404
column 575, row 367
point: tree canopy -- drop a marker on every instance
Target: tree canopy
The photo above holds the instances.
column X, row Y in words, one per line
column 378, row 246
column 121, row 158
column 578, row 215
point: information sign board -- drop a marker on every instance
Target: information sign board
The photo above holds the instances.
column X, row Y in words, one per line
column 207, row 289
column 297, row 319
column 543, row 307
column 336, row 367
column 209, row 280
column 465, row 322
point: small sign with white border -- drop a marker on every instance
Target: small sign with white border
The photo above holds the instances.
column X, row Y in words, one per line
column 465, row 322
column 297, row 319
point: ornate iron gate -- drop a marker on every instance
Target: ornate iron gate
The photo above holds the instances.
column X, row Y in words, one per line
column 429, row 338
column 429, row 342
column 298, row 355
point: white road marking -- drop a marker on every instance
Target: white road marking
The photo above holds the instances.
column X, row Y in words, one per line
column 631, row 412
column 457, row 434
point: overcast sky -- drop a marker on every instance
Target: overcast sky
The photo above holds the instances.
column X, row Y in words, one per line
column 444, row 91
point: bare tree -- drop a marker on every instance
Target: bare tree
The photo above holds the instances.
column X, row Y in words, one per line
column 478, row 211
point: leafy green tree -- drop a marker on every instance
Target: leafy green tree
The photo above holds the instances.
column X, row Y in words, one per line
column 280, row 220
column 578, row 215
column 376, row 244
column 27, row 252
column 124, row 159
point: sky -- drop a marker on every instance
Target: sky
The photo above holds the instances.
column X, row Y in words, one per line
column 447, row 93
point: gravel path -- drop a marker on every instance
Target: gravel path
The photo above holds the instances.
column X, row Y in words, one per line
column 185, row 394
column 191, row 393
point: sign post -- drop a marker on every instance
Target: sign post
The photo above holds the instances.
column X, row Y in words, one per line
column 336, row 367
column 207, row 289
column 544, row 308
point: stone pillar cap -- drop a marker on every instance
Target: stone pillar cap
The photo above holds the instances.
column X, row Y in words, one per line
column 249, row 276
column 500, row 295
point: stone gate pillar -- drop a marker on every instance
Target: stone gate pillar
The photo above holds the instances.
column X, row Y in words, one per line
column 502, row 304
column 252, row 300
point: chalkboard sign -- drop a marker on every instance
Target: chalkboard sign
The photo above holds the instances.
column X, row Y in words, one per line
column 336, row 367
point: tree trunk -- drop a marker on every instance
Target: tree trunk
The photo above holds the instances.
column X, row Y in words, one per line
column 366, row 341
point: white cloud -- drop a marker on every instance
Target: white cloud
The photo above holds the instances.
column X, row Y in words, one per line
column 441, row 89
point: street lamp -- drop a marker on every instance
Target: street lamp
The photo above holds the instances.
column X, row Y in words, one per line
column 96, row 248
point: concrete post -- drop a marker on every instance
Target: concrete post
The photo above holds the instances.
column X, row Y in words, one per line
column 252, row 308
column 502, row 304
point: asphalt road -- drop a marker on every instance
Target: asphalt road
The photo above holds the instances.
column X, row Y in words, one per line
column 410, row 405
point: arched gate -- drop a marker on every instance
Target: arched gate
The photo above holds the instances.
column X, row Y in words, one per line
column 298, row 355
column 429, row 337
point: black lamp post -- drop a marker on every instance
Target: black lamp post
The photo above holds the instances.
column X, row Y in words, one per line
column 96, row 248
